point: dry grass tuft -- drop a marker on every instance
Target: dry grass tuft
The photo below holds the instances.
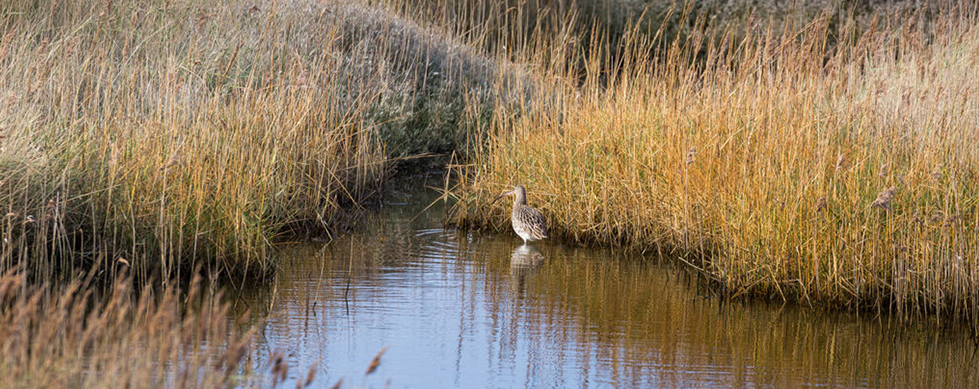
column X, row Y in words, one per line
column 72, row 337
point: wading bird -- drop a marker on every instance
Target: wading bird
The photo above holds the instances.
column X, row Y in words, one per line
column 527, row 221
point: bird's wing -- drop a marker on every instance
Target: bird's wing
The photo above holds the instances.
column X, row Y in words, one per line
column 537, row 220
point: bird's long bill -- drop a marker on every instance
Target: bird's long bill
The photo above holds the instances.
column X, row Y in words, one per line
column 502, row 196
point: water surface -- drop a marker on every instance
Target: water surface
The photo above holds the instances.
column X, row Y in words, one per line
column 462, row 309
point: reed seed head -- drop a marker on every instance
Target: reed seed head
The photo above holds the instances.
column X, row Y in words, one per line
column 883, row 200
column 820, row 204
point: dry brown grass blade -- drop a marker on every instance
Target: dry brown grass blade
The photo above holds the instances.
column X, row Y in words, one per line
column 376, row 362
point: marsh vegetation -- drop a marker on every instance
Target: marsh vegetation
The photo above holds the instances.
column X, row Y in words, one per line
column 167, row 135
column 823, row 154
column 824, row 163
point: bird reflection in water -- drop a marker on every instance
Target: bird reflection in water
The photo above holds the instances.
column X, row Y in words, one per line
column 524, row 261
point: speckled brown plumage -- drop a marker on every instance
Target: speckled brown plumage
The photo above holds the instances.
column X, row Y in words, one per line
column 527, row 221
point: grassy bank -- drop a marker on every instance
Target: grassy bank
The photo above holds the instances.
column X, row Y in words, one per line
column 165, row 135
column 777, row 163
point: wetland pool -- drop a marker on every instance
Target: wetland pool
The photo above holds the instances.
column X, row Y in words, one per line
column 455, row 308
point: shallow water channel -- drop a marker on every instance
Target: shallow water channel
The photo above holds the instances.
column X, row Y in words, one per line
column 462, row 309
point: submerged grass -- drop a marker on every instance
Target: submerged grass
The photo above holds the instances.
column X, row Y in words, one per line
column 776, row 163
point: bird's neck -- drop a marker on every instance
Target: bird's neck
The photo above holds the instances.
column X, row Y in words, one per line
column 519, row 200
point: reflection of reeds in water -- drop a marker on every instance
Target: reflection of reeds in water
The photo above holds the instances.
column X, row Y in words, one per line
column 584, row 314
column 645, row 326
column 525, row 260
